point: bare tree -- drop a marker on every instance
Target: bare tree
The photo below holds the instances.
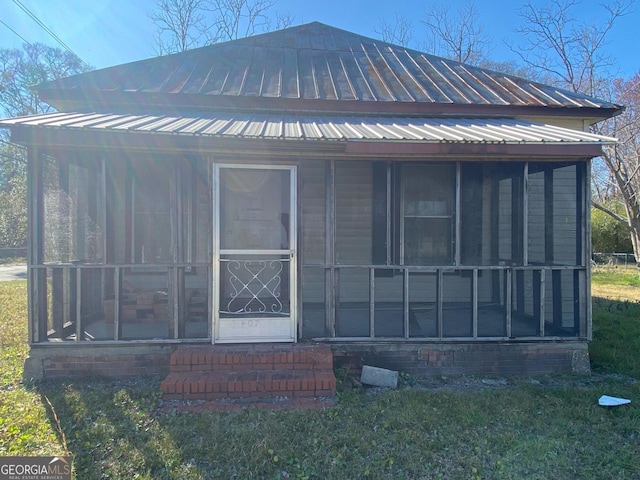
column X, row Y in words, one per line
column 457, row 35
column 567, row 51
column 185, row 24
column 400, row 32
column 180, row 25
column 283, row 20
column 570, row 54
column 622, row 184
column 234, row 19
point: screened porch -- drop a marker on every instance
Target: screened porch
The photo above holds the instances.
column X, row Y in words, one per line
column 124, row 248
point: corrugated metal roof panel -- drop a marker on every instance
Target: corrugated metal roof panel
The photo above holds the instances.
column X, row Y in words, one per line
column 341, row 128
column 315, row 61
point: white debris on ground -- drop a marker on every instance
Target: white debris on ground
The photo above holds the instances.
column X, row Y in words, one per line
column 607, row 401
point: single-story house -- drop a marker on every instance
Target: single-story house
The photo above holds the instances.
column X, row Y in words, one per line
column 309, row 186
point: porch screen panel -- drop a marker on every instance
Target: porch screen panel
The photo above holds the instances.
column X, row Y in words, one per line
column 196, row 212
column 457, row 319
column 118, row 210
column 144, row 304
column 492, row 303
column 312, row 197
column 313, row 302
column 61, row 288
column 72, row 224
column 423, row 304
column 507, row 214
column 554, row 214
column 537, row 231
column 563, row 305
column 353, row 303
column 525, row 313
column 566, row 215
column 55, row 222
column 194, row 318
column 474, row 206
column 152, row 239
column 389, row 306
column 353, row 185
column 98, row 303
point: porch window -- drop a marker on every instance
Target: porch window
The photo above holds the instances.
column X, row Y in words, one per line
column 427, row 229
column 413, row 214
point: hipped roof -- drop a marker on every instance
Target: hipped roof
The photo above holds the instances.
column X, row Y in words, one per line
column 314, row 67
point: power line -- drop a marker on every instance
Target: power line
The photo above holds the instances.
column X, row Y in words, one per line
column 20, row 36
column 47, row 30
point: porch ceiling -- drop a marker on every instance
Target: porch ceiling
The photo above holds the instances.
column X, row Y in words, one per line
column 384, row 129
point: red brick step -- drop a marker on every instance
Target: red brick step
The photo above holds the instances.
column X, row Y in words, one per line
column 256, row 372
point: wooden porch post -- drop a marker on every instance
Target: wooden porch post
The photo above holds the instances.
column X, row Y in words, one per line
column 37, row 279
column 331, row 285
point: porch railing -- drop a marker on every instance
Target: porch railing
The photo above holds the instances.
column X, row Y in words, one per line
column 133, row 302
column 367, row 302
column 119, row 302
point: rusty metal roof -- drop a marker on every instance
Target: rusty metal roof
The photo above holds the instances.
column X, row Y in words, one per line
column 319, row 128
column 317, row 62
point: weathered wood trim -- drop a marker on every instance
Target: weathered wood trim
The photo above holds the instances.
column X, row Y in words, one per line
column 389, row 215
column 543, row 300
column 538, row 308
column 474, row 302
column 457, row 234
column 331, row 286
column 37, row 279
column 372, row 303
column 439, row 301
column 117, row 327
column 481, row 151
column 175, row 214
column 405, row 303
column 508, row 301
column 525, row 215
column 212, row 285
column 558, row 294
column 103, row 202
column 173, row 313
column 587, row 326
column 548, row 215
column 78, row 274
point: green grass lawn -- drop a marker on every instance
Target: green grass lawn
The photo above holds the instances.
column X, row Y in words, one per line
column 542, row 428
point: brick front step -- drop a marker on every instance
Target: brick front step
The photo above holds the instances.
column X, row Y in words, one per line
column 258, row 373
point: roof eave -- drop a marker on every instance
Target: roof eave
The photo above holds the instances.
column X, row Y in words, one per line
column 147, row 102
column 60, row 138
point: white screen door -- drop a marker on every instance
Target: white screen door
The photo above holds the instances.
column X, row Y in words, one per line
column 255, row 239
